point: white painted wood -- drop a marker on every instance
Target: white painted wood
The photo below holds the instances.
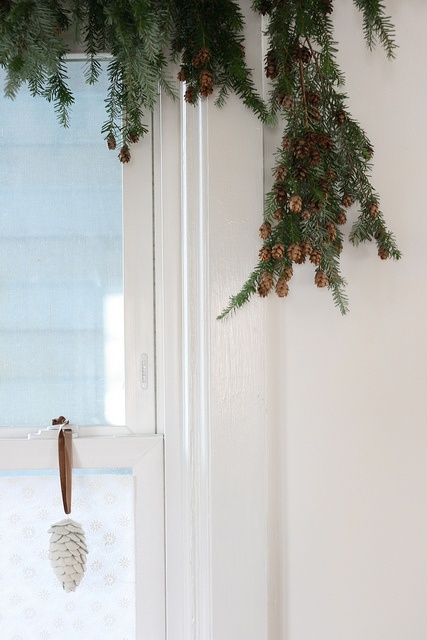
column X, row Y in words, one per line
column 145, row 455
column 138, row 287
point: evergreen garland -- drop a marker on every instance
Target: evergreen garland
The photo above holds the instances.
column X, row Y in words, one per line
column 323, row 165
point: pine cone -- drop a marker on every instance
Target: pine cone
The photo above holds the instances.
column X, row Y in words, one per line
column 295, row 204
column 262, row 292
column 347, row 200
column 280, row 193
column 278, row 214
column 67, row 552
column 134, row 137
column 383, row 254
column 374, row 209
column 280, row 172
column 321, row 279
column 314, row 114
column 301, row 173
column 270, row 65
column 124, row 155
column 182, row 75
column 306, row 248
column 190, row 95
column 288, row 273
column 314, row 99
column 265, row 254
column 201, row 58
column 278, row 251
column 342, row 217
column 294, row 252
column 286, row 143
column 266, row 281
column 305, row 215
column 301, row 149
column 340, row 116
column 316, row 256
column 286, row 102
column 314, row 157
column 282, row 288
column 111, row 142
column 265, row 230
column 332, row 231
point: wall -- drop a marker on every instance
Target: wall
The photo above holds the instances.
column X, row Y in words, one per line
column 355, row 448
column 296, row 509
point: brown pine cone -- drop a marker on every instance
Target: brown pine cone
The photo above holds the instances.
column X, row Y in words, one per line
column 282, row 288
column 340, row 116
column 301, row 173
column 287, row 273
column 280, row 193
column 315, row 157
column 190, row 95
column 201, row 58
column 342, row 217
column 330, row 174
column 278, row 214
column 294, row 252
column 316, row 256
column 332, row 231
column 124, row 154
column 270, row 65
column 301, row 53
column 134, row 138
column 286, row 102
column 314, row 99
column 325, row 141
column 262, row 292
column 321, row 279
column 314, row 113
column 278, row 251
column 383, row 254
column 280, row 172
column 305, row 215
column 301, row 149
column 374, row 209
column 347, row 200
column 306, row 248
column 295, row 204
column 265, row 230
column 182, row 75
column 286, row 143
column 111, row 142
column 266, row 281
column 265, row 253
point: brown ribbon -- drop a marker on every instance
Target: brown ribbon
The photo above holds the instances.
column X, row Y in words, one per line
column 65, row 456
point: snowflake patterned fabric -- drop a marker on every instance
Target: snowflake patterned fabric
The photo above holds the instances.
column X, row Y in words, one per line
column 33, row 604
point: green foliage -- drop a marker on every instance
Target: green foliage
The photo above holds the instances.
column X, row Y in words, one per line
column 323, row 165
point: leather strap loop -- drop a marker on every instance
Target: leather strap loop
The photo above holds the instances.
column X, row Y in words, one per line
column 65, row 456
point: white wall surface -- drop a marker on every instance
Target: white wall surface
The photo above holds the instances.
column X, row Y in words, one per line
column 303, row 434
column 355, row 448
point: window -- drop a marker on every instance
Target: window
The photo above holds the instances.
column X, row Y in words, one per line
column 77, row 339
column 75, row 275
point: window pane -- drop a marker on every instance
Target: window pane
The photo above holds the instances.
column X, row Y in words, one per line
column 61, row 283
column 33, row 603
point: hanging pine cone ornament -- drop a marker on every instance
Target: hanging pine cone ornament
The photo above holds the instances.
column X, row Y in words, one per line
column 111, row 142
column 294, row 252
column 265, row 253
column 295, row 204
column 265, row 230
column 278, row 251
column 347, row 200
column 266, row 281
column 316, row 256
column 278, row 214
column 282, row 288
column 321, row 279
column 67, row 553
column 342, row 217
column 124, row 155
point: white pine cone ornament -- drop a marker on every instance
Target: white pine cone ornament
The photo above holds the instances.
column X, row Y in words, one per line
column 67, row 552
